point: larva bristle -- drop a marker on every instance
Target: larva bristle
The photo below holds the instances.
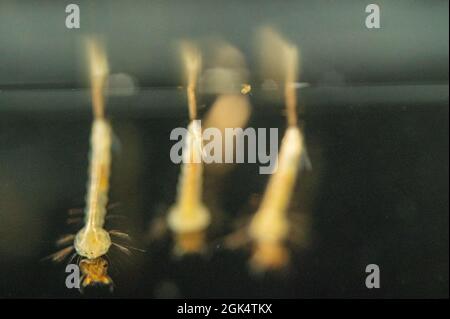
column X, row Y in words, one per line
column 59, row 256
column 64, row 240
column 123, row 249
column 120, row 234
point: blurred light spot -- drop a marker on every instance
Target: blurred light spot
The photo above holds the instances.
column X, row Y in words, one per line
column 121, row 84
column 246, row 88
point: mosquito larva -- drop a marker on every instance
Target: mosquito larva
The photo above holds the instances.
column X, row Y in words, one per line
column 188, row 218
column 269, row 228
column 92, row 242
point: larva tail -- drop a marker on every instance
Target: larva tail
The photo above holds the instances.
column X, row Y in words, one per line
column 98, row 68
column 192, row 60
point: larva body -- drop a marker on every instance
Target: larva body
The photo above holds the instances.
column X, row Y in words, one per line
column 270, row 226
column 188, row 218
column 269, row 229
column 92, row 240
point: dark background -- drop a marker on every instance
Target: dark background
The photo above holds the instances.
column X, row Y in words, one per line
column 376, row 127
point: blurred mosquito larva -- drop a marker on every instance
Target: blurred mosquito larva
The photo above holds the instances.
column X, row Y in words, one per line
column 189, row 218
column 269, row 228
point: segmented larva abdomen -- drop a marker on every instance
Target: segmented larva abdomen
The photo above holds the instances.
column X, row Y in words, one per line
column 189, row 214
column 282, row 182
column 270, row 222
column 99, row 171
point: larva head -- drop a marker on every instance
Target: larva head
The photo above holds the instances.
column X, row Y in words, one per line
column 190, row 243
column 95, row 271
column 92, row 242
column 269, row 256
column 268, row 226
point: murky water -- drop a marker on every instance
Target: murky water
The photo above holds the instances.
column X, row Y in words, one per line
column 378, row 193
